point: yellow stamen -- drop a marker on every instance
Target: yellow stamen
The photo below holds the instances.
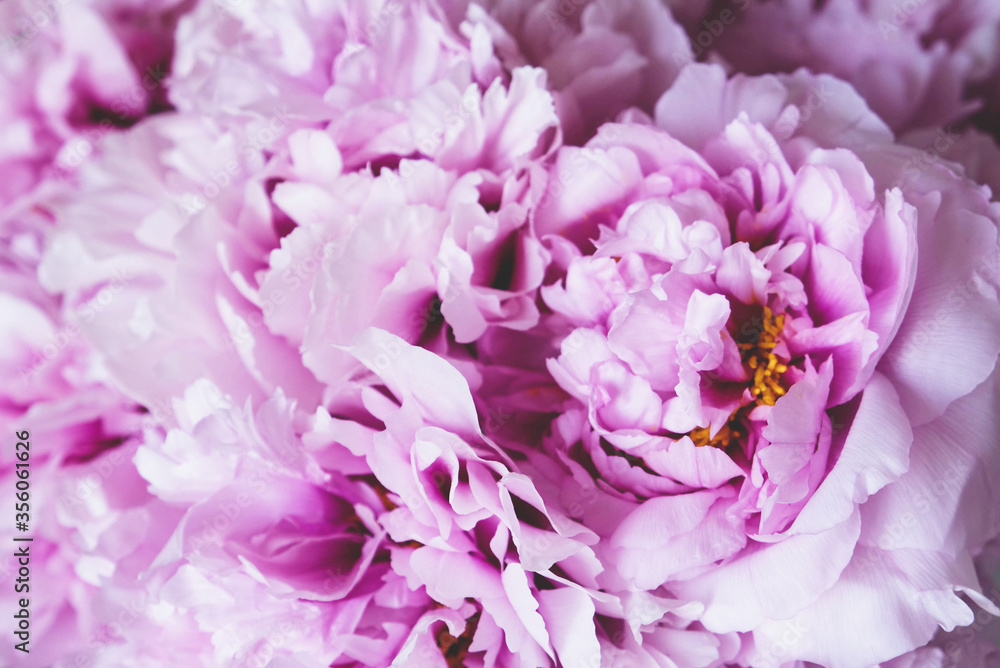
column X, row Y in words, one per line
column 767, row 386
column 702, row 435
column 767, row 381
column 454, row 649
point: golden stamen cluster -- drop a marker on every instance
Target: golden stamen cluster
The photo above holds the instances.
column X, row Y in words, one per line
column 729, row 432
column 760, row 358
column 454, row 649
column 768, row 383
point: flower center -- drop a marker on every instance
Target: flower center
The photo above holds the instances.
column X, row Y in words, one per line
column 759, row 357
column 768, row 384
column 729, row 432
column 454, row 649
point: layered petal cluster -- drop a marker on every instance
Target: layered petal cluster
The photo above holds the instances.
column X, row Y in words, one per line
column 602, row 57
column 928, row 69
column 767, row 351
column 503, row 334
column 282, row 221
column 67, row 474
column 917, row 64
column 71, row 74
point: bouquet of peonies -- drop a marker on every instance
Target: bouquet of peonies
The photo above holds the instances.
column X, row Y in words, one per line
column 500, row 333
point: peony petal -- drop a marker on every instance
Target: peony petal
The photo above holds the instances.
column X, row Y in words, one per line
column 771, row 581
column 569, row 619
column 904, row 594
column 875, row 453
column 666, row 536
column 947, row 499
column 419, row 377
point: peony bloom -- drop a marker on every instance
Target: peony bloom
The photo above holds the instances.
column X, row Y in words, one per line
column 403, row 250
column 774, row 326
column 198, row 237
column 466, row 525
column 601, row 56
column 500, row 334
column 270, row 550
column 88, row 513
column 917, row 64
column 71, row 75
column 280, row 221
column 414, row 542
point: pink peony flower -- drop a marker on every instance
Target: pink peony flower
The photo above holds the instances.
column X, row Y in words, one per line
column 468, row 527
column 774, row 325
column 87, row 511
column 273, row 217
column 916, row 64
column 602, row 57
column 500, row 334
column 72, row 74
column 271, row 550
column 197, row 234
